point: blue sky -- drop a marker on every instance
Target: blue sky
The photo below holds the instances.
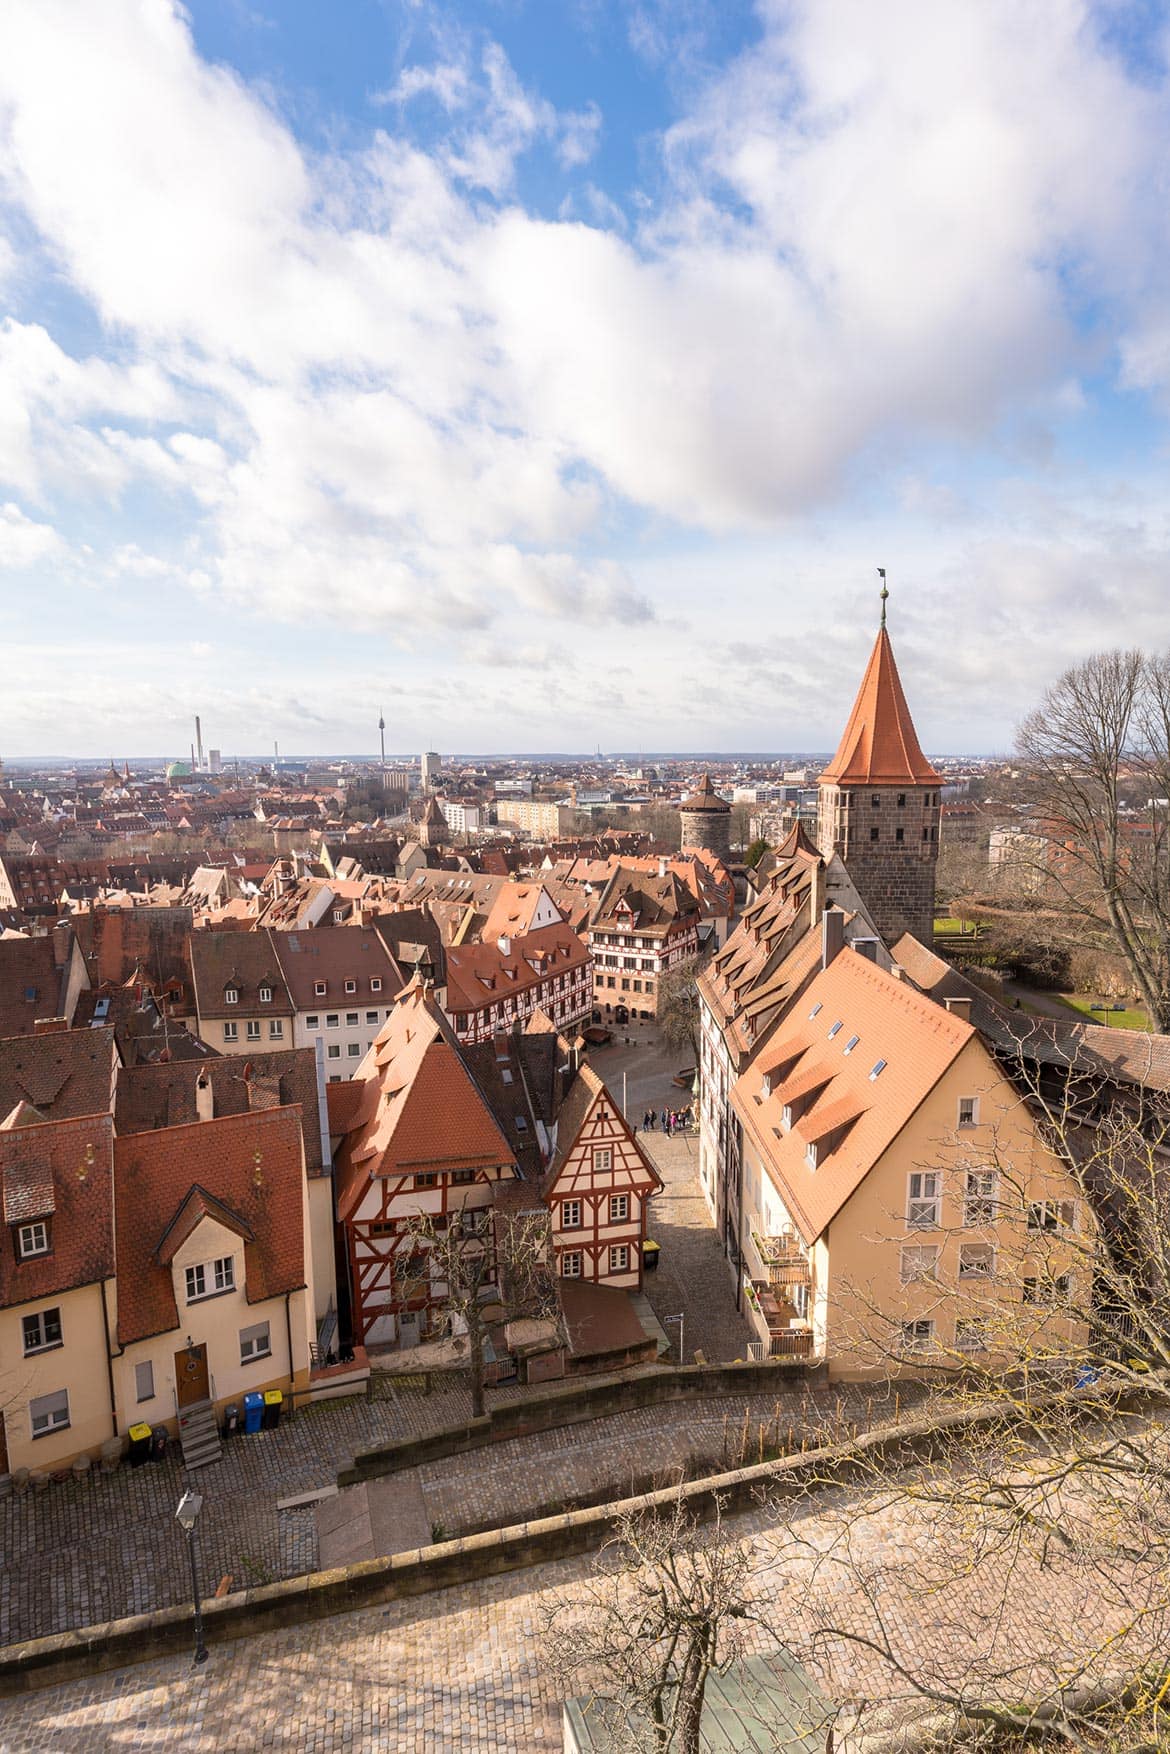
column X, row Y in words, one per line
column 558, row 372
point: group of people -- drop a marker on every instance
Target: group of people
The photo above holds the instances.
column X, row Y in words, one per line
column 670, row 1120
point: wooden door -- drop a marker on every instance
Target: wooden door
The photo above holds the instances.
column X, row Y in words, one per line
column 191, row 1376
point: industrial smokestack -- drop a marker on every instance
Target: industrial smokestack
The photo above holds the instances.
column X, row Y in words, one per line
column 198, row 744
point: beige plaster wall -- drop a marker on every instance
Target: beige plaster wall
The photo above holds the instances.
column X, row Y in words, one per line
column 78, row 1365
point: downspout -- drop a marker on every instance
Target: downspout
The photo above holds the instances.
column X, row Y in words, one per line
column 110, row 1361
column 288, row 1336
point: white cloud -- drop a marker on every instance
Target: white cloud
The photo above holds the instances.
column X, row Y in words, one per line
column 369, row 390
column 23, row 541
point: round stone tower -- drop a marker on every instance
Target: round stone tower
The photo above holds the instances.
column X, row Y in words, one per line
column 706, row 820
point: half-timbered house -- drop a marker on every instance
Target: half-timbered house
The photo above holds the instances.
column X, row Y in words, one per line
column 597, row 1188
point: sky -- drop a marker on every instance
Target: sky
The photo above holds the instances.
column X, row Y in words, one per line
column 549, row 374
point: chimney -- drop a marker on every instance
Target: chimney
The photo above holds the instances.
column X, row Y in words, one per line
column 832, row 935
column 505, row 945
column 662, row 864
column 204, row 1098
column 198, row 744
column 959, row 1007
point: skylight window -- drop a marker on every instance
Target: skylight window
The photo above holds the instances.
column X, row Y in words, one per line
column 878, row 1070
column 836, row 1028
column 816, row 1011
column 851, row 1043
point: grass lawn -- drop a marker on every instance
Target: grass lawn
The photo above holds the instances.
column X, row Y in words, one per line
column 1115, row 1019
column 953, row 928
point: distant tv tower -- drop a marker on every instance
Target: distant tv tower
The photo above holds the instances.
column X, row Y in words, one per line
column 382, row 736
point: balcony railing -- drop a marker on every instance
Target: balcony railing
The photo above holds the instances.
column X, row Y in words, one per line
column 782, row 1262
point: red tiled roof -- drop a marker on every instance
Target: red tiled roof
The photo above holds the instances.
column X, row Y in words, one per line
column 471, row 967
column 67, row 1167
column 67, row 1073
column 250, row 1163
column 880, row 745
column 420, row 1107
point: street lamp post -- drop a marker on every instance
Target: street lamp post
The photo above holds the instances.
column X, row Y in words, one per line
column 187, row 1515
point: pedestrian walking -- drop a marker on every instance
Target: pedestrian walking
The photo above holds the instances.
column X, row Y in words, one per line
column 662, row 1117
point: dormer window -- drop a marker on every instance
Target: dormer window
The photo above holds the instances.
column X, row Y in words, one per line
column 231, row 995
column 266, row 995
column 32, row 1239
column 837, row 1027
column 766, row 1086
column 319, row 989
column 376, row 985
column 810, row 1154
column 351, row 986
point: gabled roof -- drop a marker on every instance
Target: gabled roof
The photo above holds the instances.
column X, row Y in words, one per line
column 420, row 1110
column 880, row 745
column 62, row 1170
column 586, row 1091
column 162, row 1094
column 251, row 1164
column 858, row 1114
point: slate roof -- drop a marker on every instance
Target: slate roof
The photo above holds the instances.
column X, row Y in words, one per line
column 879, row 745
column 62, row 1170
column 65, row 1073
column 155, row 1173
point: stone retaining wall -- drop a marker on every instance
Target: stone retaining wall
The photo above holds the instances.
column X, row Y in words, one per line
column 576, row 1404
column 46, row 1662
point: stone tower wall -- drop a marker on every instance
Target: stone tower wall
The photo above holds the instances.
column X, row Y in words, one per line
column 707, row 829
column 894, row 877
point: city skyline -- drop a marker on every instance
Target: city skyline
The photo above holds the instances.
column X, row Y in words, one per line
column 548, row 375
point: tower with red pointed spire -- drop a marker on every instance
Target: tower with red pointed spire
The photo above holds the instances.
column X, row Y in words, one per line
column 879, row 802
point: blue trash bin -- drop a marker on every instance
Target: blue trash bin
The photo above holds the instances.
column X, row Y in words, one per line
column 253, row 1411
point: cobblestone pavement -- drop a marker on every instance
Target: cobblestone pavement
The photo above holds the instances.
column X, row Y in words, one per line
column 692, row 1276
column 464, row 1669
column 87, row 1551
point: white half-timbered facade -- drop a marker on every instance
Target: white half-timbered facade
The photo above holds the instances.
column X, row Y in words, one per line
column 597, row 1189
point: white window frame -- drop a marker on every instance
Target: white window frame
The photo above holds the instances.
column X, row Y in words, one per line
column 571, row 1261
column 353, row 1050
column 1048, row 1292
column 619, row 1257
column 924, row 1199
column 224, row 1272
column 313, row 1022
column 976, row 1265
column 971, row 1334
column 333, row 1019
column 972, row 1120
column 619, row 1208
column 981, row 1198
column 252, row 1029
column 1052, row 1215
column 32, row 1239
column 276, row 1029
column 52, row 1418
column 352, row 1019
column 266, row 995
column 571, row 1223
column 231, row 995
column 255, row 1343
column 146, row 1365
column 376, row 984
column 371, row 1017
column 351, row 986
column 219, row 1274
column 231, row 1032
column 42, row 1343
column 319, row 989
column 918, row 1335
column 918, row 1260
column 333, row 1051
column 602, row 1159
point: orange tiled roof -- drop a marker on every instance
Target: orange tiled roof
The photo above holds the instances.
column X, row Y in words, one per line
column 61, row 1171
column 915, row 1041
column 880, row 745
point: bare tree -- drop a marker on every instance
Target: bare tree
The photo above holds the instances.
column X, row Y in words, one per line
column 483, row 1267
column 678, row 1007
column 1098, row 752
column 667, row 1604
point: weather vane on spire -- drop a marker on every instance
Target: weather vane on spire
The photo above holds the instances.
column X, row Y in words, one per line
column 884, row 593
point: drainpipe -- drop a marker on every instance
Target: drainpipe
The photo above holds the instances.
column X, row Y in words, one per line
column 110, row 1362
column 288, row 1336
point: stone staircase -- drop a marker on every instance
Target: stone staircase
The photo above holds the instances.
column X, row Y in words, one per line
column 199, row 1435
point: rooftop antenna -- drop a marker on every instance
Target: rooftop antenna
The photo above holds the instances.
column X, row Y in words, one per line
column 883, row 593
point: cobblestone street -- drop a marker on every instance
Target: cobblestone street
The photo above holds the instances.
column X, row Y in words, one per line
column 463, row 1670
